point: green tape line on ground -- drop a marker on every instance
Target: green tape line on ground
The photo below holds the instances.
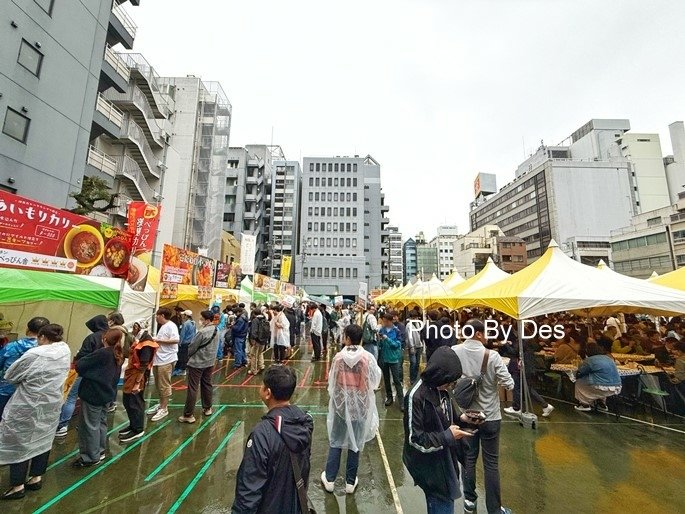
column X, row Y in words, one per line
column 75, row 452
column 204, row 469
column 185, row 443
column 99, row 469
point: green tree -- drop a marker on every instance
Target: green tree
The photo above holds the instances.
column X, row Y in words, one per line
column 94, row 190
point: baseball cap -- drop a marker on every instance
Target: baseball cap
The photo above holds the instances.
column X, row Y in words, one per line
column 187, row 312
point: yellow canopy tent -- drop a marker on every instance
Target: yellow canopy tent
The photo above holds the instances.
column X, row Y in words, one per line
column 674, row 279
column 385, row 294
column 427, row 294
column 490, row 274
column 391, row 297
column 453, row 280
column 555, row 283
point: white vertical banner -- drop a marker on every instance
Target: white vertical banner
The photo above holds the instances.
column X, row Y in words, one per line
column 363, row 294
column 248, row 248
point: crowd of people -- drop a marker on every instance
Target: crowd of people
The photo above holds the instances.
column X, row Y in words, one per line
column 451, row 409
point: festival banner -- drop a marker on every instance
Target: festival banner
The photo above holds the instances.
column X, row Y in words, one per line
column 248, row 248
column 223, row 270
column 266, row 284
column 143, row 220
column 286, row 262
column 181, row 266
column 31, row 231
column 363, row 294
column 288, row 289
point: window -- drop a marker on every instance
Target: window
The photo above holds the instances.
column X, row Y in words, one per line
column 354, row 243
column 330, row 197
column 322, row 241
column 316, row 196
column 311, row 196
column 328, row 226
column 330, row 168
column 342, row 227
column 305, row 272
column 341, row 244
column 335, row 210
column 354, row 211
column 316, row 210
column 354, row 182
column 309, row 226
column 330, row 181
column 334, row 270
column 354, row 166
column 310, row 211
column 311, row 181
column 311, row 166
column 30, row 58
column 319, row 272
column 354, row 227
column 354, row 272
column 349, row 197
column 335, row 182
column 349, row 167
column 316, row 241
column 349, row 227
column 317, row 182
column 335, row 242
column 347, row 270
column 347, row 242
column 316, row 226
column 349, row 182
column 354, row 197
column 318, row 166
column 335, row 197
column 46, row 5
column 336, row 166
column 16, row 125
column 328, row 211
column 326, row 272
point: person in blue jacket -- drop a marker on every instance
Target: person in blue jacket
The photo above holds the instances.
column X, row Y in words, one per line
column 11, row 352
column 597, row 377
column 239, row 332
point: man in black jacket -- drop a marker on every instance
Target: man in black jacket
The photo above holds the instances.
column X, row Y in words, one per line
column 266, row 483
column 433, row 427
column 98, row 326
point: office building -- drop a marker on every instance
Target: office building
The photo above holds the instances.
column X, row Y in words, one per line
column 409, row 268
column 444, row 243
column 395, row 274
column 650, row 186
column 341, row 224
column 49, row 84
column 201, row 129
column 675, row 164
column 654, row 241
column 576, row 194
column 285, row 214
column 247, row 207
column 472, row 251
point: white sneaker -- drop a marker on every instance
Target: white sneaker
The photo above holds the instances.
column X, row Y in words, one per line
column 547, row 410
column 61, row 432
column 161, row 414
column 152, row 410
column 512, row 411
column 350, row 488
column 582, row 408
column 328, row 486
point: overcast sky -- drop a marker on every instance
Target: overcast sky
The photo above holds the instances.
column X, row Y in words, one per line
column 435, row 90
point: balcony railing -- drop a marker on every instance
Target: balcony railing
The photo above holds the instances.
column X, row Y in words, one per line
column 109, row 110
column 138, row 63
column 101, row 161
column 128, row 168
column 132, row 131
column 134, row 96
column 119, row 64
column 125, row 19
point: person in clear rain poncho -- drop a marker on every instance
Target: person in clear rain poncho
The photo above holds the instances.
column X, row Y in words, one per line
column 30, row 419
column 352, row 415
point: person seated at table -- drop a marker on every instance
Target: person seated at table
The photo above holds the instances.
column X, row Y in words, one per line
column 627, row 344
column 567, row 351
column 653, row 340
column 612, row 333
column 678, row 376
column 597, row 377
column 664, row 353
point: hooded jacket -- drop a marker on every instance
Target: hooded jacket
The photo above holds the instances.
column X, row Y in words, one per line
column 431, row 453
column 100, row 375
column 98, row 326
column 265, row 483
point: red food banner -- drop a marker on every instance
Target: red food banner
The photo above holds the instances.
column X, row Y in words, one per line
column 227, row 275
column 30, row 231
column 143, row 220
column 181, row 266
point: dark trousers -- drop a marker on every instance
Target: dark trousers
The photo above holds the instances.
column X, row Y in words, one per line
column 316, row 343
column 324, row 337
column 201, row 378
column 92, row 432
column 393, row 368
column 38, row 465
column 182, row 362
column 333, row 465
column 414, row 362
column 134, row 403
column 486, row 438
column 4, row 399
column 534, row 395
column 280, row 353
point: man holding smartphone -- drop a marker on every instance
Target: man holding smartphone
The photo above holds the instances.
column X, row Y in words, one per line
column 433, row 429
column 471, row 353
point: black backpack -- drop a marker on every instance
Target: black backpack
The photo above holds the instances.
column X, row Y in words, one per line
column 263, row 332
column 466, row 390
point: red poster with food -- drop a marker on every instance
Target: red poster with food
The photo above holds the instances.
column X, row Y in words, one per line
column 38, row 236
column 143, row 220
column 181, row 266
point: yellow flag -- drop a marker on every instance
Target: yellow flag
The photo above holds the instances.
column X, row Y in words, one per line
column 285, row 268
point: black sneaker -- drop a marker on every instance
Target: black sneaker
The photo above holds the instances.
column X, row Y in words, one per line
column 132, row 437
column 388, row 402
column 125, row 432
column 78, row 463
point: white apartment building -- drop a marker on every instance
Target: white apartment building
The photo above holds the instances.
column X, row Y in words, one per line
column 395, row 274
column 444, row 243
